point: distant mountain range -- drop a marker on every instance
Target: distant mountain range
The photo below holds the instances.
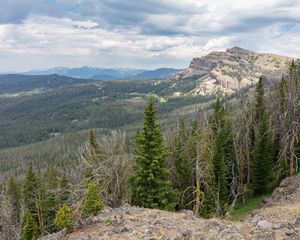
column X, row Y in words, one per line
column 108, row 73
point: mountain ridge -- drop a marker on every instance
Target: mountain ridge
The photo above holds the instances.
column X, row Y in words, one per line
column 232, row 70
column 107, row 73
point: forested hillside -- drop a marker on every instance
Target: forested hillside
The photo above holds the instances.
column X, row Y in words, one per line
column 35, row 108
column 210, row 162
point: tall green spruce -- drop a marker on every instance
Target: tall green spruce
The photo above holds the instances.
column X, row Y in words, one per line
column 64, row 190
column 225, row 164
column 29, row 228
column 51, row 199
column 219, row 167
column 263, row 151
column 150, row 181
column 232, row 172
column 13, row 195
column 184, row 164
column 31, row 188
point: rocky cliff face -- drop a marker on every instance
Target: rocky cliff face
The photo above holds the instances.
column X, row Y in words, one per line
column 278, row 218
column 232, row 70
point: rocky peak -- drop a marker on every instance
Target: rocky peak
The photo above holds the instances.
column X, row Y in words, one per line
column 232, row 70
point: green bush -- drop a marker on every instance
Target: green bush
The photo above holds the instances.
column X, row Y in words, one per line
column 63, row 218
column 93, row 203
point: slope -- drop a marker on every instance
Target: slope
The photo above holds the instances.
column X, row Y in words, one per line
column 232, row 70
column 277, row 218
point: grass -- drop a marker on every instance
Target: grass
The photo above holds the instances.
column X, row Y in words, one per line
column 241, row 210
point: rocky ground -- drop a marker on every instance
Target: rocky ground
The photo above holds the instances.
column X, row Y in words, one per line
column 277, row 218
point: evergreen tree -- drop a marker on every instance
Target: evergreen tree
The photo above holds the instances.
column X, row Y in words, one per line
column 13, row 195
column 29, row 228
column 93, row 203
column 151, row 184
column 63, row 219
column 93, row 140
column 184, row 165
column 225, row 164
column 260, row 105
column 263, row 153
column 219, row 167
column 262, row 162
column 31, row 190
column 50, row 201
column 91, row 155
column 217, row 119
column 232, row 168
column 64, row 190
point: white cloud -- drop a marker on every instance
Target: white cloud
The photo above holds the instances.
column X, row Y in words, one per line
column 149, row 33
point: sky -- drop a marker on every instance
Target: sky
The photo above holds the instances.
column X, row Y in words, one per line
column 39, row 34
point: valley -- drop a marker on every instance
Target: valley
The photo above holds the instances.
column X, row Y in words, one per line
column 70, row 139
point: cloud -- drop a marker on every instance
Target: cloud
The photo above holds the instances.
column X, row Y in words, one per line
column 148, row 33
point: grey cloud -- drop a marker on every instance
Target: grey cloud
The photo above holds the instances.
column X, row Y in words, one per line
column 140, row 32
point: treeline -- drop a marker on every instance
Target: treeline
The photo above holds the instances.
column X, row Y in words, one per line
column 238, row 151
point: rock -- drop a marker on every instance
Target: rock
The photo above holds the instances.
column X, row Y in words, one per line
column 255, row 219
column 279, row 221
column 266, row 200
column 264, row 224
column 297, row 222
column 187, row 234
column 289, row 232
column 232, row 70
column 171, row 234
column 188, row 214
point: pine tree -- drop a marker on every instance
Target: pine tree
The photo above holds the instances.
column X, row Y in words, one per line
column 30, row 191
column 93, row 203
column 184, row 165
column 225, row 164
column 217, row 119
column 260, row 105
column 219, row 167
column 63, row 218
column 13, row 195
column 64, row 190
column 232, row 168
column 93, row 140
column 262, row 162
column 10, row 208
column 50, row 201
column 151, row 184
column 29, row 228
column 91, row 155
column 263, row 153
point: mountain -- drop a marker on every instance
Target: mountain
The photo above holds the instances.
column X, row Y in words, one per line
column 277, row 218
column 36, row 108
column 17, row 83
column 232, row 70
column 89, row 72
column 108, row 73
column 160, row 73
